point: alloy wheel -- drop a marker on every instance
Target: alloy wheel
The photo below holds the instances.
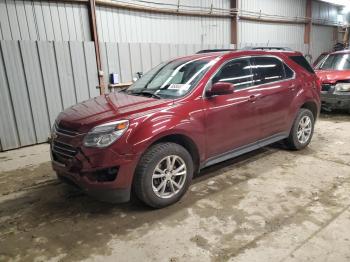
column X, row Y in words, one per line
column 169, row 176
column 304, row 129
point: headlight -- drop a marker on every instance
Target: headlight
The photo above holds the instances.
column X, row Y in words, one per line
column 342, row 87
column 106, row 134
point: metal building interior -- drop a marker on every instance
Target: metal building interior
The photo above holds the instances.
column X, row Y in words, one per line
column 270, row 204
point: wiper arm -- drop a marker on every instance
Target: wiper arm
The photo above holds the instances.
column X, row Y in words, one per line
column 145, row 92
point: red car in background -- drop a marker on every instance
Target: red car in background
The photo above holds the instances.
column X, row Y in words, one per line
column 334, row 73
column 320, row 58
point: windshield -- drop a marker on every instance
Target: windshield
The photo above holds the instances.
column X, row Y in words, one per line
column 172, row 79
column 335, row 62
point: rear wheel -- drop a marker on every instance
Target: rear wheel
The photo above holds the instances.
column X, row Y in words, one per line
column 302, row 130
column 163, row 174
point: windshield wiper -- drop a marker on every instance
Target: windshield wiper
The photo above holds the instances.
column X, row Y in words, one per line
column 145, row 92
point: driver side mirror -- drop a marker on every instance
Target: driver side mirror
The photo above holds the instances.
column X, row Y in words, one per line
column 220, row 88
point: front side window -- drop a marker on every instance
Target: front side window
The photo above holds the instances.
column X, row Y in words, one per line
column 335, row 62
column 237, row 72
column 267, row 70
column 172, row 79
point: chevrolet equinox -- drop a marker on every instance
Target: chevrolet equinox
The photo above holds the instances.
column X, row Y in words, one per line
column 184, row 115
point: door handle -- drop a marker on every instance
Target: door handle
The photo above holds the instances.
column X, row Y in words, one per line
column 292, row 87
column 252, row 98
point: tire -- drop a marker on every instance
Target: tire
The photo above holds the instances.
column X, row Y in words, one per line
column 295, row 143
column 146, row 180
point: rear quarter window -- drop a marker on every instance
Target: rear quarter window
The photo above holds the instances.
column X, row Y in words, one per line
column 301, row 61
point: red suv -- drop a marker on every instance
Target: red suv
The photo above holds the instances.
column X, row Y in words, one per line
column 182, row 116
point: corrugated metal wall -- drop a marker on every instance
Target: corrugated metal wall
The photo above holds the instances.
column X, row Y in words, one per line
column 324, row 11
column 44, row 21
column 273, row 34
column 322, row 37
column 37, row 81
column 118, row 25
column 128, row 58
column 276, row 7
column 288, row 35
column 321, row 40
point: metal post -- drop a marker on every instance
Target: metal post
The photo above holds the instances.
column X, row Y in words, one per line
column 234, row 22
column 94, row 33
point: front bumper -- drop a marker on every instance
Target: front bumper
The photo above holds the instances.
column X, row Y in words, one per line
column 87, row 170
column 335, row 101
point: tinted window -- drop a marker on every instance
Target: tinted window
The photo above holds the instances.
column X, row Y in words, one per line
column 267, row 70
column 237, row 72
column 300, row 60
column 175, row 78
column 319, row 59
column 336, row 62
column 288, row 72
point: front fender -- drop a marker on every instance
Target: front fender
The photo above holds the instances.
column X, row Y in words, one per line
column 155, row 127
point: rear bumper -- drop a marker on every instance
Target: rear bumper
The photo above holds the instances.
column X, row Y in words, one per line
column 89, row 172
column 335, row 101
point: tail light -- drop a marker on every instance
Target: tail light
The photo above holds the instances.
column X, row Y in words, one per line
column 318, row 84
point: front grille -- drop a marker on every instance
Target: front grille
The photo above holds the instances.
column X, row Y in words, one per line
column 63, row 152
column 326, row 87
column 64, row 131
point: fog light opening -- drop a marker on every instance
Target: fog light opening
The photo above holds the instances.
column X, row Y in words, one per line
column 104, row 175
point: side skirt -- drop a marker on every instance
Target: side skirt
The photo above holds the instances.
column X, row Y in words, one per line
column 244, row 149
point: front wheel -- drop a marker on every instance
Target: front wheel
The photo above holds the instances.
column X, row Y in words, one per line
column 163, row 174
column 302, row 130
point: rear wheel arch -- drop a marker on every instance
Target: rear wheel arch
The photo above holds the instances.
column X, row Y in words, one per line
column 312, row 106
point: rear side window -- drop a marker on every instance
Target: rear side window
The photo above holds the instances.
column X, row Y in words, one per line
column 267, row 70
column 300, row 60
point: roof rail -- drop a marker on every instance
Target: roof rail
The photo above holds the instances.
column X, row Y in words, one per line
column 214, row 50
column 267, row 48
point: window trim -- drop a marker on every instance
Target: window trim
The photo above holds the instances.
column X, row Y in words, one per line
column 253, row 86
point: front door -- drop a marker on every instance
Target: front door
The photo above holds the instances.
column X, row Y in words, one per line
column 232, row 120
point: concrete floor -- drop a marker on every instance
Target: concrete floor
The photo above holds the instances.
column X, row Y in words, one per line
column 269, row 205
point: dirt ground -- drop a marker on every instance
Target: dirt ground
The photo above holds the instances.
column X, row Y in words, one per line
column 269, row 205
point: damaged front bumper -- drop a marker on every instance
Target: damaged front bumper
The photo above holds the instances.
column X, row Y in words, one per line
column 331, row 99
column 103, row 174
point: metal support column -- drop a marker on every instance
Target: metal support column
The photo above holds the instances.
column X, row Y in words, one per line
column 94, row 34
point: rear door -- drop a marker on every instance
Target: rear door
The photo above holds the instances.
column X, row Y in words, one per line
column 275, row 81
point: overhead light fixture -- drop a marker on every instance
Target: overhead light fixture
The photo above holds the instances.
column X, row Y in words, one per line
column 346, row 10
column 337, row 2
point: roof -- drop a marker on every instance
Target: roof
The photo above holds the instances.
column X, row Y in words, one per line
column 239, row 53
column 345, row 51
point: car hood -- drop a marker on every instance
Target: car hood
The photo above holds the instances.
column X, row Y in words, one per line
column 85, row 115
column 333, row 76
